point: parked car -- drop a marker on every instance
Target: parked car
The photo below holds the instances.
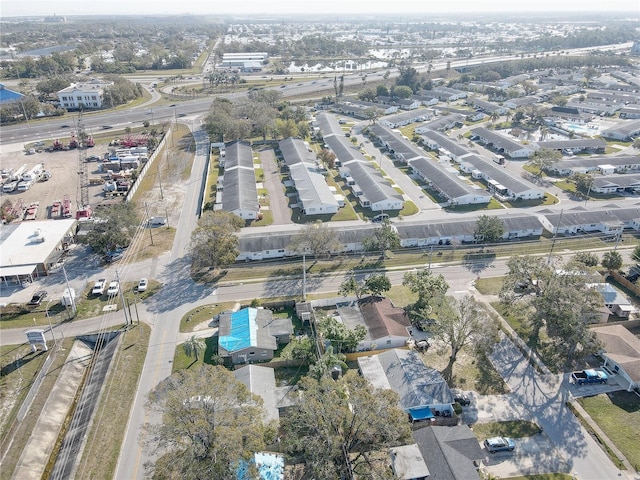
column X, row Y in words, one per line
column 37, row 298
column 499, row 444
column 462, row 398
column 380, row 218
column 142, row 285
column 114, row 288
column 98, row 287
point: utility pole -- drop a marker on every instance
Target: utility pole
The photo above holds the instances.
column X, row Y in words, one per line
column 146, row 209
column 127, row 320
column 553, row 239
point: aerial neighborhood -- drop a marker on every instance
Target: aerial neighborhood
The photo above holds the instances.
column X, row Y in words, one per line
column 381, row 246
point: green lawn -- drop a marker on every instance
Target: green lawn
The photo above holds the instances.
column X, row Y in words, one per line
column 203, row 313
column 489, row 285
column 511, row 428
column 618, row 415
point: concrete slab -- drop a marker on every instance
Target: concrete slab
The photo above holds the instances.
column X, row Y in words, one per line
column 36, row 453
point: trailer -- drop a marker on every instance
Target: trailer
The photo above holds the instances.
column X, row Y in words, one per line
column 66, row 207
column 56, row 209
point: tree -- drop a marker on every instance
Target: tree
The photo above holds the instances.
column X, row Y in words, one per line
column 588, row 259
column 612, row 260
column 636, row 253
column 562, row 303
column 429, row 289
column 636, row 143
column 208, row 423
column 327, row 158
column 316, row 238
column 214, row 242
column 583, row 182
column 544, row 159
column 384, row 238
column 342, row 339
column 526, row 274
column 382, row 91
column 116, row 228
column 489, row 229
column 300, row 348
column 378, row 284
column 338, row 424
column 193, row 346
column 462, row 322
column 352, row 285
column 402, row 91
column 328, row 361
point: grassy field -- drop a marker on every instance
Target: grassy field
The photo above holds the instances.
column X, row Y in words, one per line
column 618, row 415
column 511, row 428
column 105, row 437
column 201, row 314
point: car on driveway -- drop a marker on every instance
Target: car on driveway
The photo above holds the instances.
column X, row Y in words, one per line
column 98, row 287
column 142, row 285
column 114, row 288
column 37, row 298
column 462, row 398
column 499, row 444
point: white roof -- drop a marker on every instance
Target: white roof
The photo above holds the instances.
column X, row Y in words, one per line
column 30, row 243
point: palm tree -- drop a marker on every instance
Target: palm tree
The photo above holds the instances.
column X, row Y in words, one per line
column 192, row 346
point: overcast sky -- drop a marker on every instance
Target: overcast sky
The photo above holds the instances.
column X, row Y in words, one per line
column 10, row 8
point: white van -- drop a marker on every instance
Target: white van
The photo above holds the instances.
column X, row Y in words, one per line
column 24, row 186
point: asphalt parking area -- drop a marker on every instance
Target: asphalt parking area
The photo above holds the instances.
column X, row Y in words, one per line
column 532, row 456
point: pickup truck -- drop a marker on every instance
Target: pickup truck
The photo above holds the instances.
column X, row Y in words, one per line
column 588, row 376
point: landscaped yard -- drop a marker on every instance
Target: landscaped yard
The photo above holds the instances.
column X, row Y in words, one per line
column 618, row 415
column 470, row 372
column 544, row 476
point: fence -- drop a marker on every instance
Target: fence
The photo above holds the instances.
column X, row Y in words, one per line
column 147, row 165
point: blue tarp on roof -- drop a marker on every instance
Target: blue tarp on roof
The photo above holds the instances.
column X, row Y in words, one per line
column 243, row 331
column 7, row 95
column 270, row 467
column 420, row 413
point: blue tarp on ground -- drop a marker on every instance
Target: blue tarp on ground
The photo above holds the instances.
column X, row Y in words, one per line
column 421, row 413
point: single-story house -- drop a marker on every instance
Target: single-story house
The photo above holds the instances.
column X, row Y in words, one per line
column 261, row 381
column 423, row 392
column 407, row 463
column 502, row 144
column 451, row 453
column 625, row 131
column 617, row 303
column 251, row 335
column 621, row 353
column 387, row 326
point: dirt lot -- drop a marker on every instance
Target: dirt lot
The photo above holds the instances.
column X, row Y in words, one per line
column 64, row 179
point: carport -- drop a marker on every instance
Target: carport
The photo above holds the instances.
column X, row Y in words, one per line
column 18, row 274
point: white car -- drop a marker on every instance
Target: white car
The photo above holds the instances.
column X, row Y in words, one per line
column 98, row 288
column 142, row 285
column 114, row 288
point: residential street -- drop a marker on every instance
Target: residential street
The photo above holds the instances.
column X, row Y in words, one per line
column 543, row 398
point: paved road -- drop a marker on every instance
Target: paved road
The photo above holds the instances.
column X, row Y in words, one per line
column 176, row 298
column 544, row 397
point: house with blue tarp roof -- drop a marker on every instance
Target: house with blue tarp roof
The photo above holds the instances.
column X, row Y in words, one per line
column 251, row 335
column 7, row 95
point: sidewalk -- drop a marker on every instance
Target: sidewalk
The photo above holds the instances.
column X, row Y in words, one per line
column 604, row 439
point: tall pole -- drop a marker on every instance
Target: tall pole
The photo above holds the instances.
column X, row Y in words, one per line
column 553, row 239
column 146, row 209
column 123, row 300
column 71, row 295
column 160, row 181
column 304, row 276
column 55, row 342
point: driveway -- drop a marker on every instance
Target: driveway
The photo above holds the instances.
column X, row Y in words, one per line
column 532, row 455
column 543, row 398
column 278, row 202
